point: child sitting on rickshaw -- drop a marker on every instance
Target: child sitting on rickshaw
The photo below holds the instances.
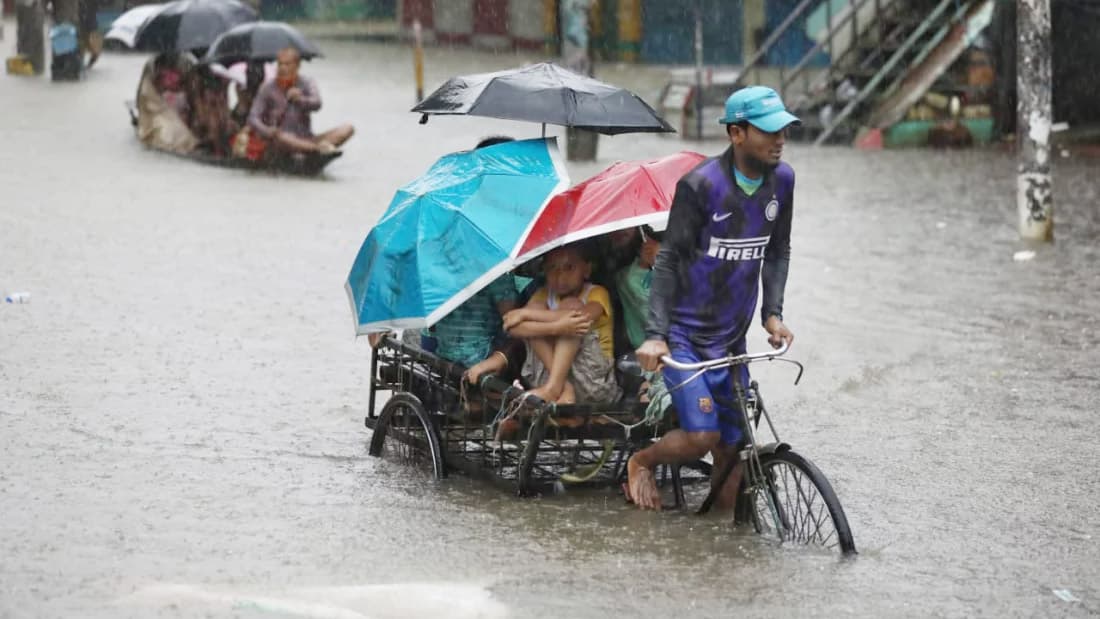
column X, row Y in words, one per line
column 632, row 282
column 567, row 360
column 466, row 335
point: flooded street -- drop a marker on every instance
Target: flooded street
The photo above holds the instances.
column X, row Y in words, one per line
column 181, row 401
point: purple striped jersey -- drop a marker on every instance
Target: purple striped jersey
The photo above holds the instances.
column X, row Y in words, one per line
column 720, row 244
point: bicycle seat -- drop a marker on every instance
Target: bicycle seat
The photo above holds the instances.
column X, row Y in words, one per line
column 629, row 375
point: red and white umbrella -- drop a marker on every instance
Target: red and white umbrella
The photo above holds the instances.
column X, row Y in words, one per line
column 625, row 195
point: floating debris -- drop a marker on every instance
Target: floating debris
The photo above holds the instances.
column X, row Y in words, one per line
column 1065, row 595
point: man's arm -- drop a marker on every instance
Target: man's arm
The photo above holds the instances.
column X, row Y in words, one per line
column 685, row 221
column 311, row 96
column 503, row 293
column 777, row 258
column 259, row 108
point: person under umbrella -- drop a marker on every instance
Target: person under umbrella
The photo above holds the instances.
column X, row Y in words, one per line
column 253, row 44
column 281, row 112
column 211, row 121
column 162, row 109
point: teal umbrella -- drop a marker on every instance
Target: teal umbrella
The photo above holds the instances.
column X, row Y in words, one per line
column 449, row 233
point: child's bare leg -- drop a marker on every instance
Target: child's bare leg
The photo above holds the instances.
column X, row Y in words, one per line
column 543, row 349
column 565, row 351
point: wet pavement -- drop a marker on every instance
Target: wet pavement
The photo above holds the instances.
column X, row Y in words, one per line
column 181, row 402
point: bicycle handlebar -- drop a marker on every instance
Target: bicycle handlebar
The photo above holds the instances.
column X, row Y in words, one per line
column 710, row 364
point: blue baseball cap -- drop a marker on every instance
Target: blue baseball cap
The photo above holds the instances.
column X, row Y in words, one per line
column 760, row 106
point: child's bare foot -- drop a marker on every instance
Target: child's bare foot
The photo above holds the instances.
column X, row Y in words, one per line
column 568, row 394
column 546, row 393
column 641, row 488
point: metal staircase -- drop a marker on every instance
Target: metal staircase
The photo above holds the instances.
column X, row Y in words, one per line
column 871, row 60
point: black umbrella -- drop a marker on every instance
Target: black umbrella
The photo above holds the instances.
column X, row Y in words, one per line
column 259, row 40
column 545, row 93
column 186, row 25
column 125, row 26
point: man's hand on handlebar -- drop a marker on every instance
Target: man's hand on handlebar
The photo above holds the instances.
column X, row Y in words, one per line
column 777, row 332
column 649, row 354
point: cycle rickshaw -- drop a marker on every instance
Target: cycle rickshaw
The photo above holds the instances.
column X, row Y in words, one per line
column 431, row 423
column 436, row 423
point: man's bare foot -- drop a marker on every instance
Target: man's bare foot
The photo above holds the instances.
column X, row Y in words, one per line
column 641, row 486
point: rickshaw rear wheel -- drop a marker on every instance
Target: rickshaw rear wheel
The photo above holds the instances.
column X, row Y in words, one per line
column 404, row 433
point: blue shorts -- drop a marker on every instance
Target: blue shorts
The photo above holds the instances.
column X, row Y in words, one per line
column 708, row 403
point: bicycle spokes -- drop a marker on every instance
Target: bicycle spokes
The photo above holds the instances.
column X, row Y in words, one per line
column 788, row 505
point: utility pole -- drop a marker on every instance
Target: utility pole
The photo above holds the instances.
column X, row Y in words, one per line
column 580, row 145
column 418, row 59
column 30, row 39
column 698, row 69
column 1034, row 203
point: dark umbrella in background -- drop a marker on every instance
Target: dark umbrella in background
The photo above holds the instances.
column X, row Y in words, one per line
column 186, row 25
column 124, row 28
column 549, row 94
column 259, row 40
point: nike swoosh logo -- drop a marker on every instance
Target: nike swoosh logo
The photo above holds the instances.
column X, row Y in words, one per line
column 723, row 217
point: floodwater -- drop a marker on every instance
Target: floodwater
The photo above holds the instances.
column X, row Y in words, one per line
column 181, row 402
